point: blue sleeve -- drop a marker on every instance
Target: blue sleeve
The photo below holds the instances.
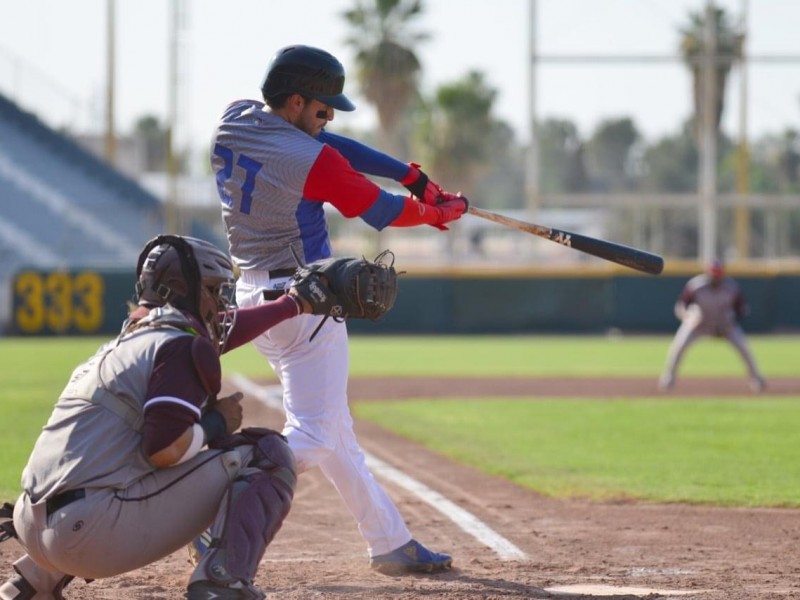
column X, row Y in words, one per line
column 384, row 210
column 365, row 159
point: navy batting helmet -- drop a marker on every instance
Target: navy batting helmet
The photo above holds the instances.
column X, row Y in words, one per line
column 307, row 71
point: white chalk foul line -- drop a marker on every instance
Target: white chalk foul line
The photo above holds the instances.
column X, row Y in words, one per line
column 271, row 397
column 464, row 519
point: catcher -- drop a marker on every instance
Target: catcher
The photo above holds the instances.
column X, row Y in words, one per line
column 140, row 441
column 710, row 304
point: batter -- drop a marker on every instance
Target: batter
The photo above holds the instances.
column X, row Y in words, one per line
column 276, row 166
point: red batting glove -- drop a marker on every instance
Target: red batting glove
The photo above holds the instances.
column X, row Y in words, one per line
column 450, row 208
column 419, row 184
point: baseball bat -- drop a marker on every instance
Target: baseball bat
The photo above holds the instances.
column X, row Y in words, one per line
column 627, row 256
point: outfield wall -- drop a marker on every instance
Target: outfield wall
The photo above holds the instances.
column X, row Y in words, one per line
column 568, row 303
column 94, row 302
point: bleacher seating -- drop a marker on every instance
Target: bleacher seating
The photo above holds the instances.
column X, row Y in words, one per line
column 58, row 197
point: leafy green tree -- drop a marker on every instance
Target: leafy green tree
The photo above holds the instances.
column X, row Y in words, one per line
column 775, row 164
column 384, row 37
column 561, row 157
column 728, row 50
column 502, row 181
column 670, row 164
column 461, row 130
column 153, row 138
column 464, row 147
column 610, row 155
column 788, row 160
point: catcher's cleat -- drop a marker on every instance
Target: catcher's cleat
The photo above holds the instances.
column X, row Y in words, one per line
column 413, row 557
column 17, row 588
column 208, row 590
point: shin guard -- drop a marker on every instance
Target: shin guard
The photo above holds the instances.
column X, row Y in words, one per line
column 252, row 512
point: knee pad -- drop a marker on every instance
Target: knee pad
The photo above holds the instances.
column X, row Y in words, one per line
column 273, row 455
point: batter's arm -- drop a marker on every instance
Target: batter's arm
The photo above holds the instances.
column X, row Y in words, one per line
column 368, row 160
column 333, row 180
column 365, row 159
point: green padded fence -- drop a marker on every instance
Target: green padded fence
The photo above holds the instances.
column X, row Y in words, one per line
column 91, row 302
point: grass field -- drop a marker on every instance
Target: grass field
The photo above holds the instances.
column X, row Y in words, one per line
column 736, row 451
column 574, row 356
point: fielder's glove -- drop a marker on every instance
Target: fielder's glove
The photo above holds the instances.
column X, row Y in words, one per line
column 347, row 287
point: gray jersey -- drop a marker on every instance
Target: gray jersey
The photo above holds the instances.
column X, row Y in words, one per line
column 714, row 309
column 708, row 308
column 91, row 438
column 261, row 163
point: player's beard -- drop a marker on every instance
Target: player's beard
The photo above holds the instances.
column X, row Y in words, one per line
column 309, row 122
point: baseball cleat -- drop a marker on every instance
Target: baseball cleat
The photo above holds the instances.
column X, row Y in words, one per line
column 208, row 590
column 758, row 385
column 665, row 383
column 413, row 557
column 17, row 587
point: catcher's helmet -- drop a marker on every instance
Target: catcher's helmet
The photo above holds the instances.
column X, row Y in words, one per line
column 308, row 71
column 190, row 274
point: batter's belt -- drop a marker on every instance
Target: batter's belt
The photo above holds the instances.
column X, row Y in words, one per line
column 275, row 274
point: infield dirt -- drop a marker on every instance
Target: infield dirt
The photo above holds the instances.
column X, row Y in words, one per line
column 627, row 546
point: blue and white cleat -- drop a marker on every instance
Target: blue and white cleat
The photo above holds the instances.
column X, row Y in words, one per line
column 412, row 557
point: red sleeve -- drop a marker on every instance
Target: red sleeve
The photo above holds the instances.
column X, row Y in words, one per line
column 252, row 322
column 332, row 179
column 417, row 213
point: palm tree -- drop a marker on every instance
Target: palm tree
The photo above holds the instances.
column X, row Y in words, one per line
column 729, row 44
column 461, row 130
column 387, row 67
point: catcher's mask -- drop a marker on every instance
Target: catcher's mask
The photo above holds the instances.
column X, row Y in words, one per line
column 192, row 275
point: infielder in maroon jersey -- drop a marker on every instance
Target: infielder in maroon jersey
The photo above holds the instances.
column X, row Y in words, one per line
column 710, row 304
column 119, row 476
column 276, row 166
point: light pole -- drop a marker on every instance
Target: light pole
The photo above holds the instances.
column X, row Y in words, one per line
column 708, row 137
column 110, row 134
column 532, row 182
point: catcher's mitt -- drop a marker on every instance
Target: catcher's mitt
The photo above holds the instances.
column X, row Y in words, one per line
column 348, row 287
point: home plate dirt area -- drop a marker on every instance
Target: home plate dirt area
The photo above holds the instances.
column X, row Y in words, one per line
column 570, row 549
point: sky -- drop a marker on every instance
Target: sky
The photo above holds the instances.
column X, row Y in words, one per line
column 53, row 59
